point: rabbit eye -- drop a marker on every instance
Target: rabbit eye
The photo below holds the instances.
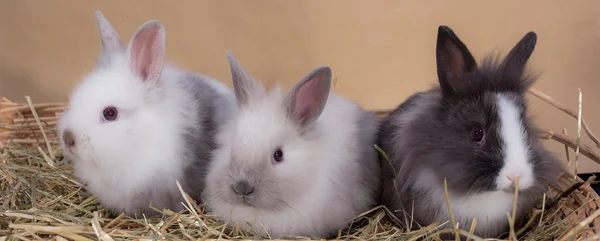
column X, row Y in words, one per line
column 477, row 133
column 110, row 113
column 278, row 156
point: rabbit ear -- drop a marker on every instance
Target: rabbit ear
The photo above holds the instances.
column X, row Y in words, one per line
column 244, row 85
column 111, row 42
column 306, row 100
column 147, row 51
column 453, row 60
column 514, row 63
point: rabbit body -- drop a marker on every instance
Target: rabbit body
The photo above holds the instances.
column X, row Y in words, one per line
column 473, row 132
column 164, row 125
column 328, row 173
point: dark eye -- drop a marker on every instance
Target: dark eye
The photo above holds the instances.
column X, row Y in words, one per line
column 477, row 133
column 278, row 156
column 110, row 113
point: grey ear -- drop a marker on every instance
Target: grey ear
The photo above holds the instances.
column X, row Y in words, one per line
column 306, row 100
column 244, row 85
column 514, row 63
column 454, row 60
column 111, row 42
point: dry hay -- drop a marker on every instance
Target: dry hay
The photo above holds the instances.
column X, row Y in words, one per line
column 40, row 198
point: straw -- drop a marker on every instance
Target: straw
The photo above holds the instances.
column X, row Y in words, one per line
column 41, row 199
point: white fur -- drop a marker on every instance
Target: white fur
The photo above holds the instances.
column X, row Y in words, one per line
column 309, row 177
column 488, row 207
column 141, row 149
column 133, row 162
column 516, row 152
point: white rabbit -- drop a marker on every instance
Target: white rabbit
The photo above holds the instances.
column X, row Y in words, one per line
column 290, row 162
column 134, row 126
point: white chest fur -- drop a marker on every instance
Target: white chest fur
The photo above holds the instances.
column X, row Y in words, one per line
column 490, row 208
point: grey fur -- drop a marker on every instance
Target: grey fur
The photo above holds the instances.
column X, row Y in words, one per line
column 324, row 194
column 213, row 109
column 244, row 85
column 367, row 127
column 430, row 133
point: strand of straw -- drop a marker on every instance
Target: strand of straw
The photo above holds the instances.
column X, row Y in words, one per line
column 454, row 225
column 566, row 110
column 567, row 148
column 37, row 119
column 578, row 133
column 511, row 234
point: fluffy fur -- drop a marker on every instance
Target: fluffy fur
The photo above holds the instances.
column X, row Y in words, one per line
column 165, row 129
column 329, row 173
column 429, row 138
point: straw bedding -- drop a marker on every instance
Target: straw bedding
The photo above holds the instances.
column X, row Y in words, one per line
column 40, row 199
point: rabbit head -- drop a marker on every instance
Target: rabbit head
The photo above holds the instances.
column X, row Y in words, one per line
column 480, row 137
column 269, row 159
column 116, row 114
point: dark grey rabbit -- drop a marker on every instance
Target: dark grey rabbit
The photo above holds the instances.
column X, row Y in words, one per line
column 471, row 130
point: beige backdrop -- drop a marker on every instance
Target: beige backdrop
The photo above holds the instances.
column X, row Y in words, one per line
column 380, row 51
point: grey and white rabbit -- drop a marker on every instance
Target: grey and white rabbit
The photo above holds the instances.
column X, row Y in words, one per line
column 473, row 131
column 300, row 163
column 134, row 126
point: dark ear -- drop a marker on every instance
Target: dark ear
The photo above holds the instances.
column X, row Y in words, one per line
column 244, row 85
column 306, row 100
column 111, row 42
column 453, row 60
column 147, row 51
column 514, row 63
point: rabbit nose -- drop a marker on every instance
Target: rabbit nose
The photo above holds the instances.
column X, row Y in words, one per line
column 242, row 188
column 513, row 177
column 69, row 138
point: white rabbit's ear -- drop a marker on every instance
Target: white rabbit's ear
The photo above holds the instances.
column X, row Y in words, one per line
column 306, row 100
column 111, row 42
column 244, row 85
column 147, row 51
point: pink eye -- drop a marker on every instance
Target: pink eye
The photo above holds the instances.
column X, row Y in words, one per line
column 110, row 113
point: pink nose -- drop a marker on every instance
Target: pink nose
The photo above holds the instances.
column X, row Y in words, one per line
column 514, row 178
